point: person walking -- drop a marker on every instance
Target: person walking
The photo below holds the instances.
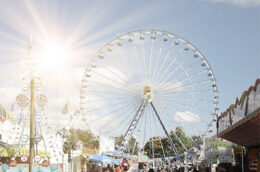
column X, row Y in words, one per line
column 151, row 170
column 99, row 167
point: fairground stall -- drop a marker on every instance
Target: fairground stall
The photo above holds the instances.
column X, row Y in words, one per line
column 240, row 124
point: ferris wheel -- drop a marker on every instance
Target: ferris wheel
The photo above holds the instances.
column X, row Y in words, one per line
column 144, row 84
column 46, row 145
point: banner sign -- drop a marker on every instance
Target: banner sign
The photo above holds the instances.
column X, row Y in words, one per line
column 106, row 144
column 237, row 150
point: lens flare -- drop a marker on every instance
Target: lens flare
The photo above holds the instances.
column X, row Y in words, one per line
column 54, row 55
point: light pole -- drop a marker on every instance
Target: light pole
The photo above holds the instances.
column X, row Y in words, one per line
column 31, row 148
column 34, row 84
column 22, row 100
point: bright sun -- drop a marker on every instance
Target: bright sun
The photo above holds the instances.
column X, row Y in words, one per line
column 54, row 55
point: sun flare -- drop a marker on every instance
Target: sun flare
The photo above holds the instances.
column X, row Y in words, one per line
column 54, row 55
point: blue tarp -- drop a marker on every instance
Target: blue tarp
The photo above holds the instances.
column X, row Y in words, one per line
column 104, row 160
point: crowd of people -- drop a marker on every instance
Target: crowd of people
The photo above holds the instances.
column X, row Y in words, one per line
column 127, row 165
column 169, row 169
column 143, row 167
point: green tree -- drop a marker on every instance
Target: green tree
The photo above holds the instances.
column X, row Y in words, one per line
column 154, row 147
column 188, row 142
column 74, row 135
column 132, row 144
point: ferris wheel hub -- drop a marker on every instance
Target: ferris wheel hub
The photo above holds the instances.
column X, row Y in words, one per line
column 148, row 94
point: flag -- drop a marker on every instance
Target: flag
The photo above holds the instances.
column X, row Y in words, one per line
column 2, row 114
column 71, row 118
column 65, row 110
column 29, row 45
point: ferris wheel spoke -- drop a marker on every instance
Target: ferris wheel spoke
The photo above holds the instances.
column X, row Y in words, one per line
column 185, row 70
column 105, row 93
column 118, row 76
column 121, row 84
column 166, row 132
column 111, row 105
column 110, row 99
column 149, row 112
column 126, row 73
column 133, row 151
column 105, row 100
column 116, row 89
column 108, row 113
column 165, row 59
column 186, row 85
column 151, row 55
column 158, row 135
column 138, row 68
column 128, row 109
column 125, row 122
column 138, row 129
column 157, row 59
column 174, row 132
column 170, row 65
column 144, row 62
column 190, row 123
column 138, row 62
column 189, row 99
column 192, row 107
column 183, row 79
column 96, row 86
column 141, row 130
column 116, row 66
column 166, row 114
column 178, row 75
column 151, row 135
column 189, row 92
column 165, row 77
column 194, row 128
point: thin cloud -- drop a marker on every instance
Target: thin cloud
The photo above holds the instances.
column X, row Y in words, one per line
column 8, row 96
column 186, row 116
column 239, row 2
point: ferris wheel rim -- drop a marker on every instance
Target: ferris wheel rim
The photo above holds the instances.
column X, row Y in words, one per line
column 168, row 33
column 156, row 31
column 137, row 32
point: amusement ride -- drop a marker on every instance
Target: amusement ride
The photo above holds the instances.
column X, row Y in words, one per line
column 144, row 84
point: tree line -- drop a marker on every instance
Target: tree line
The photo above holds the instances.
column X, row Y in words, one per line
column 155, row 146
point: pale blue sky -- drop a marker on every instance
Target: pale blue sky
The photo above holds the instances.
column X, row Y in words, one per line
column 227, row 32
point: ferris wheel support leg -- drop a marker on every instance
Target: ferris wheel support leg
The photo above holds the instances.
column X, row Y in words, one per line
column 168, row 136
column 133, row 125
